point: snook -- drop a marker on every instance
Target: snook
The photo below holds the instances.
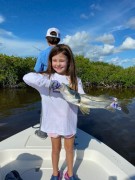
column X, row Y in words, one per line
column 85, row 102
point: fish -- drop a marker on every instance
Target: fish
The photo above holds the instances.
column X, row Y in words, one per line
column 86, row 102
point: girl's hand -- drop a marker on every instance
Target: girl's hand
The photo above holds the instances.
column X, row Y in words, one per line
column 55, row 84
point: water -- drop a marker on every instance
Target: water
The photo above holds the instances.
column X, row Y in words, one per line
column 20, row 109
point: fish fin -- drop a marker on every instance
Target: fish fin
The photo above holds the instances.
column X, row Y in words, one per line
column 104, row 97
column 84, row 110
column 109, row 108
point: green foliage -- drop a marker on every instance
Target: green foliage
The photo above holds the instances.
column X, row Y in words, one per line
column 12, row 69
column 104, row 74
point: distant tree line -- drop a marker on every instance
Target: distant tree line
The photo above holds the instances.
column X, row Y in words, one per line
column 102, row 74
column 97, row 74
column 12, row 70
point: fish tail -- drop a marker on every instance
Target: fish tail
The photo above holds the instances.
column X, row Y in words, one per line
column 124, row 108
column 84, row 110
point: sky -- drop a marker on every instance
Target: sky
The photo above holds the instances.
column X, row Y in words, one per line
column 100, row 30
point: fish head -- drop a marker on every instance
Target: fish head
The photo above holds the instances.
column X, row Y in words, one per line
column 69, row 94
column 64, row 87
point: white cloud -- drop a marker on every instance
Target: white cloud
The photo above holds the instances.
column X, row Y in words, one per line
column 106, row 38
column 19, row 47
column 4, row 33
column 107, row 49
column 128, row 44
column 81, row 43
column 118, row 28
column 84, row 16
column 131, row 23
column 78, row 42
column 122, row 62
column 2, row 19
column 93, row 52
column 98, row 53
column 95, row 7
column 10, row 44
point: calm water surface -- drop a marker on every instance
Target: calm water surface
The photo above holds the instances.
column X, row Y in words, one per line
column 20, row 109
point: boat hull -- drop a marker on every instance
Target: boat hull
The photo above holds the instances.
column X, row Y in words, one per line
column 31, row 157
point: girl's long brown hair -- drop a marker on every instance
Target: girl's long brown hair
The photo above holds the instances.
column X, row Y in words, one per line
column 71, row 70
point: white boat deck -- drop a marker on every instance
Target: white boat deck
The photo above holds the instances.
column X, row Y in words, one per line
column 31, row 157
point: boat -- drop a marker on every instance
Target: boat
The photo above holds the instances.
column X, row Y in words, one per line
column 31, row 157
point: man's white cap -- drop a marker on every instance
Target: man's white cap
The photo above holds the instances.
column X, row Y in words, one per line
column 51, row 30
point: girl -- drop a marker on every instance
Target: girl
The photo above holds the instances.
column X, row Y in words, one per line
column 59, row 116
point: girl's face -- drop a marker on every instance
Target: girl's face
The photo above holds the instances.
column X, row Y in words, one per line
column 60, row 63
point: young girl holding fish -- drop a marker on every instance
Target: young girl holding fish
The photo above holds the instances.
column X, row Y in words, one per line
column 59, row 116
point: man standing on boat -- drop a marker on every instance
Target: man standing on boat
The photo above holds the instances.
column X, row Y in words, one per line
column 52, row 38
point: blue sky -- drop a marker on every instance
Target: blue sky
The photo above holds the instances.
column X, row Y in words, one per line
column 101, row 30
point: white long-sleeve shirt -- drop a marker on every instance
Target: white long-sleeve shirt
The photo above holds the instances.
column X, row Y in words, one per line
column 58, row 116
